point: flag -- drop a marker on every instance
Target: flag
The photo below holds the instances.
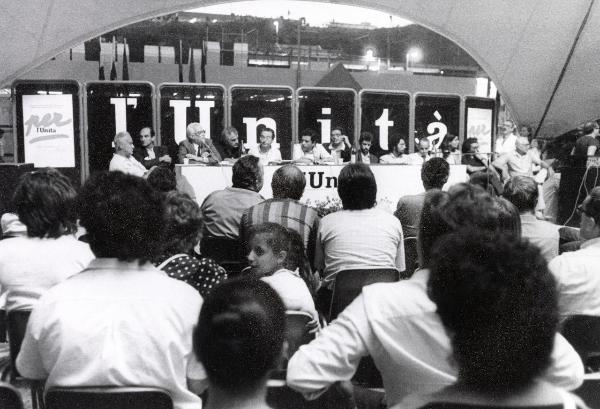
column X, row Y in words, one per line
column 101, row 76
column 125, row 65
column 192, row 77
column 113, row 72
column 203, row 63
column 180, row 62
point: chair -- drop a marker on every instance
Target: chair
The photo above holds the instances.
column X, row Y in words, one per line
column 349, row 283
column 228, row 253
column 296, row 334
column 16, row 323
column 410, row 256
column 10, row 397
column 108, row 397
column 583, row 332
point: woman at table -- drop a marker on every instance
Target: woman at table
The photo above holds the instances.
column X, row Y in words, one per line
column 450, row 149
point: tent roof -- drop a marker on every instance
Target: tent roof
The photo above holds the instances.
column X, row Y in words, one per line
column 522, row 44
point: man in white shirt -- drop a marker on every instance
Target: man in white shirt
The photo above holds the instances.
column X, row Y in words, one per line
column 121, row 321
column 308, row 151
column 264, row 150
column 123, row 160
column 576, row 272
column 397, row 323
column 422, row 155
column 506, row 138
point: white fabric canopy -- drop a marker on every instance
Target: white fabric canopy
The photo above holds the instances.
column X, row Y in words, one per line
column 522, row 44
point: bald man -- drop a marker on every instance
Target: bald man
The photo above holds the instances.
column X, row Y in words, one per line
column 123, row 160
column 197, row 148
column 520, row 162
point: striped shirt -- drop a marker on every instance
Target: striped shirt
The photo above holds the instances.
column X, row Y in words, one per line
column 290, row 214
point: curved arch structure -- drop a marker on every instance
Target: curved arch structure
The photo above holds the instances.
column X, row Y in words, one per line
column 522, row 44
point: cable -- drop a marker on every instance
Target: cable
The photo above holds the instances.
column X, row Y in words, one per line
column 583, row 179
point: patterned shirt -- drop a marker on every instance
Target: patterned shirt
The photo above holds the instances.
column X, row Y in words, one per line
column 202, row 274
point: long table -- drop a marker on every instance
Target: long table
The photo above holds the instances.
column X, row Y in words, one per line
column 393, row 181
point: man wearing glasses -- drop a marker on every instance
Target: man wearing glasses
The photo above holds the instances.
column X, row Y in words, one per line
column 197, row 148
column 520, row 162
column 576, row 272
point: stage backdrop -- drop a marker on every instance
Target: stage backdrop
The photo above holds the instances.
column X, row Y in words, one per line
column 436, row 116
column 480, row 120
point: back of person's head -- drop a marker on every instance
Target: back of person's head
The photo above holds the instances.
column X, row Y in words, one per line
column 464, row 205
column 310, row 132
column 365, row 136
column 183, row 221
column 357, row 187
column 44, row 201
column 486, row 182
column 239, row 336
column 288, row 182
column 522, row 191
column 162, row 179
column 508, row 216
column 466, row 147
column 123, row 216
column 498, row 301
column 434, row 173
column 589, row 127
column 247, row 173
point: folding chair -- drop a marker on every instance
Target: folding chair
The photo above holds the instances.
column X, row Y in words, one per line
column 108, row 397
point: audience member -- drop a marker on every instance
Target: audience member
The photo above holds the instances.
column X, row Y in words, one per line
column 498, row 304
column 229, row 146
column 287, row 184
column 162, row 179
column 434, row 175
column 360, row 236
column 276, row 256
column 49, row 252
column 121, row 321
column 183, row 223
column 509, row 218
column 340, row 145
column 518, row 162
column 197, row 148
column 397, row 155
column 239, row 339
column 148, row 154
column 587, row 144
column 506, row 139
column 522, row 191
column 450, row 150
column 264, row 150
column 397, row 323
column 12, row 226
column 308, row 151
column 479, row 167
column 576, row 272
column 422, row 155
column 364, row 155
column 123, row 160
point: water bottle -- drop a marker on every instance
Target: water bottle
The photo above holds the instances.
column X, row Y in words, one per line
column 353, row 155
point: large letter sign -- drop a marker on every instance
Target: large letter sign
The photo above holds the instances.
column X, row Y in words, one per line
column 256, row 107
column 385, row 115
column 435, row 117
column 114, row 107
column 479, row 122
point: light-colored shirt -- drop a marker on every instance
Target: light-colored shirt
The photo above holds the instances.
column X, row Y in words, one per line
column 391, row 158
column 359, row 239
column 127, row 165
column 397, row 324
column 517, row 164
column 578, row 280
column 293, row 291
column 30, row 266
column 272, row 155
column 222, row 211
column 416, row 158
column 116, row 323
column 541, row 233
column 317, row 153
column 505, row 145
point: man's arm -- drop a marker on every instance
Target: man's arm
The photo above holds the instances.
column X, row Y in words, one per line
column 501, row 163
column 29, row 362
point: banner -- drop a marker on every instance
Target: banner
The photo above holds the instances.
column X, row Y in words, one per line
column 323, row 108
column 479, row 121
column 113, row 107
column 271, row 107
column 48, row 131
column 181, row 104
column 386, row 116
column 435, row 117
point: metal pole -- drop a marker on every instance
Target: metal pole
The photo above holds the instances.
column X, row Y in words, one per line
column 298, row 66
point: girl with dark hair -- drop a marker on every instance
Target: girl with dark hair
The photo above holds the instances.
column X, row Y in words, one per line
column 450, row 150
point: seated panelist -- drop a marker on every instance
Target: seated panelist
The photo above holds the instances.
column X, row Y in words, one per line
column 148, row 154
column 264, row 150
column 308, row 151
column 197, row 148
column 229, row 146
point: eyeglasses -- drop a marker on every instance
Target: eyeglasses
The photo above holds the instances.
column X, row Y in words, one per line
column 581, row 209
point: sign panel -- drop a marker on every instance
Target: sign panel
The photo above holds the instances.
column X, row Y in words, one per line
column 480, row 117
column 181, row 104
column 386, row 116
column 435, row 117
column 254, row 107
column 323, row 108
column 113, row 107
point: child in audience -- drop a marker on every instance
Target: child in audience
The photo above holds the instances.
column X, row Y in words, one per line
column 276, row 255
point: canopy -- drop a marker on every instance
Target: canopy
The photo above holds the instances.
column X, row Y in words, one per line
column 542, row 54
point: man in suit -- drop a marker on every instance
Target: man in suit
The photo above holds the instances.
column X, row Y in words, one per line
column 197, row 148
column 148, row 154
column 364, row 155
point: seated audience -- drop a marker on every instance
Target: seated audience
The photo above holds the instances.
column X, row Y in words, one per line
column 360, row 236
column 397, row 323
column 450, row 150
column 422, row 155
column 364, row 155
column 576, row 272
column 287, row 184
column 48, row 253
column 121, row 321
column 197, row 148
column 276, row 256
column 340, row 145
column 522, row 191
column 162, row 179
column 308, row 151
column 12, row 226
column 229, row 146
column 123, row 159
column 183, row 223
column 498, row 305
column 397, row 155
column 434, row 175
column 509, row 219
column 148, row 154
column 264, row 150
column 239, row 339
